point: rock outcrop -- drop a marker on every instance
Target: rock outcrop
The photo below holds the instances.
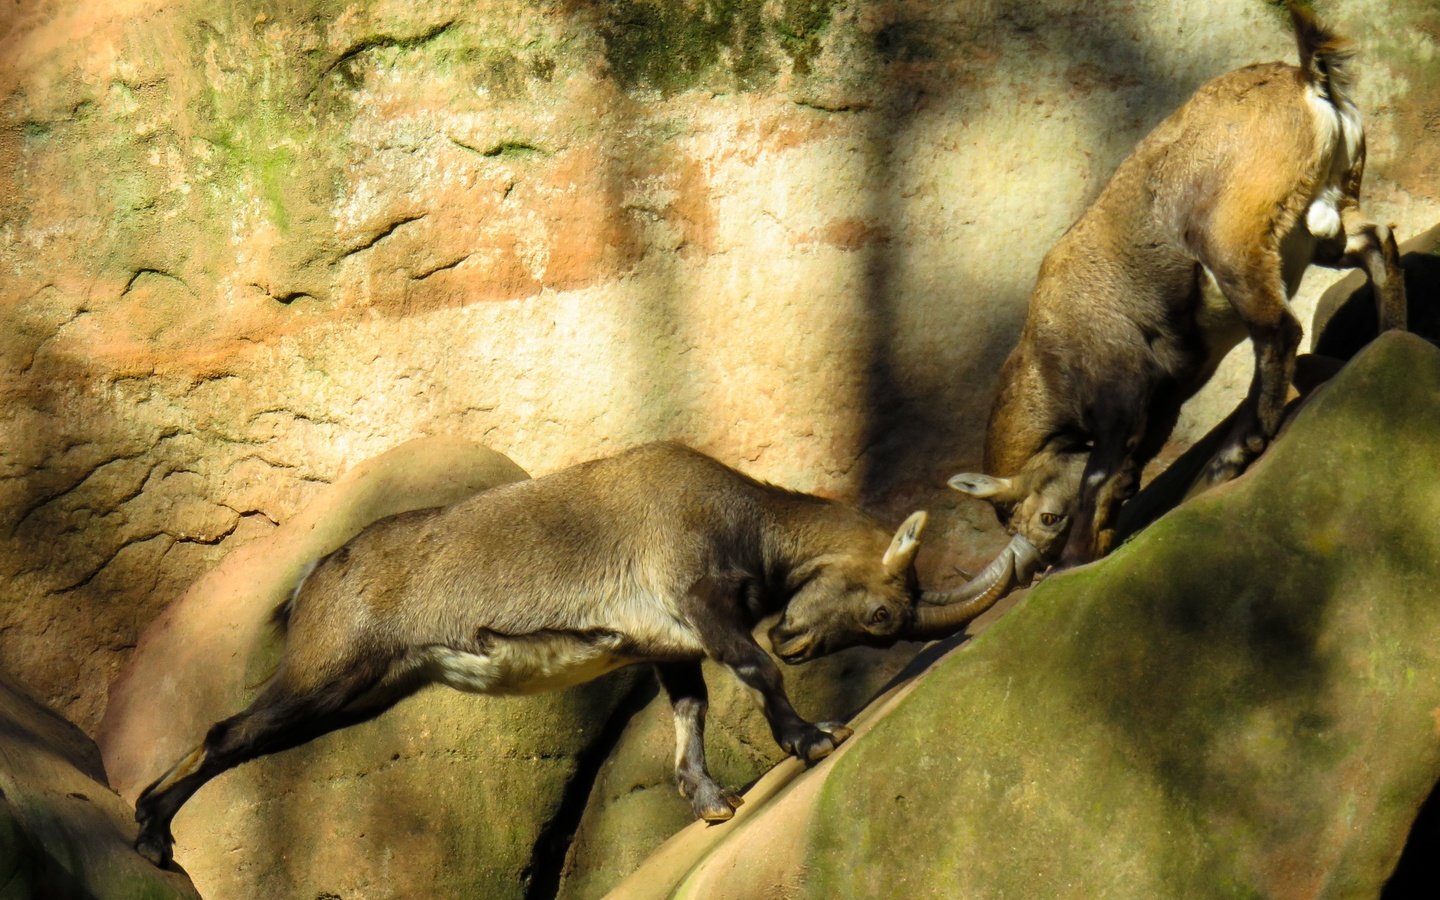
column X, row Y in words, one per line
column 63, row 832
column 1241, row 700
column 248, row 246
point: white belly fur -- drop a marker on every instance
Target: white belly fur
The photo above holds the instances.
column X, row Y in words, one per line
column 528, row 664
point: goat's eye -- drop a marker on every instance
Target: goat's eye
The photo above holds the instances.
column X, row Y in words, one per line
column 880, row 616
column 1050, row 520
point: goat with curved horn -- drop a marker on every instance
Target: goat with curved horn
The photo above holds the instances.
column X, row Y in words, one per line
column 1198, row 241
column 657, row 555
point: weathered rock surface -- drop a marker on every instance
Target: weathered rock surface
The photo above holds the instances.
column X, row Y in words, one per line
column 247, row 246
column 63, row 832
column 1240, row 701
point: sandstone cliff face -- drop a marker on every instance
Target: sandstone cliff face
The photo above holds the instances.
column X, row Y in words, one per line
column 248, row 245
column 1242, row 701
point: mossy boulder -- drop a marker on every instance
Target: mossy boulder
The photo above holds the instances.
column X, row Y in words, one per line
column 1242, row 701
column 63, row 832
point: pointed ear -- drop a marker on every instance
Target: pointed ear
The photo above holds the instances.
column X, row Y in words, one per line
column 905, row 544
column 983, row 487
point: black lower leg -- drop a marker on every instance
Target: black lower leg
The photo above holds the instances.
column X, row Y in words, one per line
column 689, row 701
column 276, row 721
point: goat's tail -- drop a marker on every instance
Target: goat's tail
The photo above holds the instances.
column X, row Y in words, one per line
column 280, row 618
column 269, row 648
column 1324, row 54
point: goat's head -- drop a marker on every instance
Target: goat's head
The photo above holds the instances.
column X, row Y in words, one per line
column 874, row 599
column 850, row 597
column 1036, row 507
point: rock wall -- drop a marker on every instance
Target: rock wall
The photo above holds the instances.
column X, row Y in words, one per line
column 247, row 245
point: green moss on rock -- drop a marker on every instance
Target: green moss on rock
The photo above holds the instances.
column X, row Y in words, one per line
column 1236, row 702
column 672, row 46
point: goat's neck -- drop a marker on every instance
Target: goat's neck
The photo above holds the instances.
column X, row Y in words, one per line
column 798, row 530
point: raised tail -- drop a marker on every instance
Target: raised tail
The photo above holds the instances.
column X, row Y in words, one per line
column 1324, row 55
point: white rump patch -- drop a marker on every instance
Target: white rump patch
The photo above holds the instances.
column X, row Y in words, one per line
column 1338, row 127
column 1323, row 217
column 1339, row 133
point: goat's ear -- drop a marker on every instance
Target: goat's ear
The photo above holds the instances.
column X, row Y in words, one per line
column 905, row 544
column 983, row 487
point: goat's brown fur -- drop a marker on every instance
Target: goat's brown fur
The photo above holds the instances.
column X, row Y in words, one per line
column 659, row 555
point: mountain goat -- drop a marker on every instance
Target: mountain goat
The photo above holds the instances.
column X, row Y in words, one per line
column 657, row 555
column 1197, row 241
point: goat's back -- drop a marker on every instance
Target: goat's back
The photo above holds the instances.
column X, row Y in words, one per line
column 608, row 540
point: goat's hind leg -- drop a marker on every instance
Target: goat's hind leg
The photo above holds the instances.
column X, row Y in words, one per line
column 283, row 716
column 1371, row 246
column 1253, row 282
column 685, row 686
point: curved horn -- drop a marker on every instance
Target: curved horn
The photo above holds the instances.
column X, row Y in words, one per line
column 940, row 615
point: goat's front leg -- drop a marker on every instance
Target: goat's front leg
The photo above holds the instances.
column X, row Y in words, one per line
column 685, row 686
column 1111, row 475
column 716, row 612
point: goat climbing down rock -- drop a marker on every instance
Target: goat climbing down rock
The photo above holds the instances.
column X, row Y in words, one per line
column 1199, row 239
column 658, row 555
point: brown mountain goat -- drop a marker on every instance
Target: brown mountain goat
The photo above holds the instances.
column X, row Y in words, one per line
column 658, row 555
column 1199, row 239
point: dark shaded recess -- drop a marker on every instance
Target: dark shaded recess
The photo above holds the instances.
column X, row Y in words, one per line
column 547, row 858
column 1418, row 872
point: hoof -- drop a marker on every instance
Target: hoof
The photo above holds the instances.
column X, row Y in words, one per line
column 158, row 849
column 820, row 742
column 713, row 803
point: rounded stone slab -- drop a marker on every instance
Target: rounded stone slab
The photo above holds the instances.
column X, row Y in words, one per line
column 63, row 832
